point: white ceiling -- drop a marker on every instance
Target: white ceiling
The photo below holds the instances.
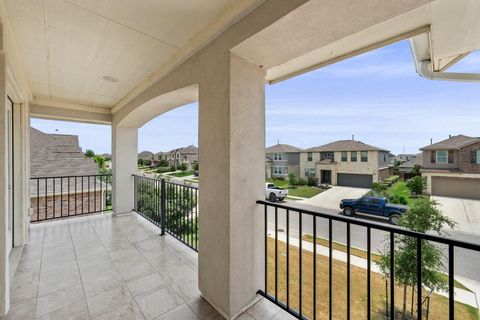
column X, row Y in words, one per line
column 67, row 46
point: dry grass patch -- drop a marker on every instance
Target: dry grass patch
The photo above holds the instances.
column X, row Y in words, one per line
column 358, row 298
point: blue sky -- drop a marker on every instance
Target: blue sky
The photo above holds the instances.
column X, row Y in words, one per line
column 376, row 96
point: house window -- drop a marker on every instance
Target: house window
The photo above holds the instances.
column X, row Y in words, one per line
column 277, row 170
column 344, row 156
column 442, row 156
column 364, row 156
column 309, row 156
column 477, row 158
column 310, row 172
column 326, row 155
column 353, row 156
column 278, row 156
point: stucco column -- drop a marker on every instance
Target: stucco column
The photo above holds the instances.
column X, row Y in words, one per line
column 232, row 176
column 124, row 164
column 4, row 250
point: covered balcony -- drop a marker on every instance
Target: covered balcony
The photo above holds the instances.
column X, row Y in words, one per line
column 124, row 63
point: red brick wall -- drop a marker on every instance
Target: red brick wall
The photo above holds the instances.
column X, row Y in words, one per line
column 59, row 207
column 465, row 163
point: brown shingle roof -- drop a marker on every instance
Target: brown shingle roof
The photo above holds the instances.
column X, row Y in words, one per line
column 58, row 155
column 282, row 148
column 345, row 145
column 453, row 143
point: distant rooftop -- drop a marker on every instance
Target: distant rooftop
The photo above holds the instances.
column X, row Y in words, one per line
column 282, row 148
column 58, row 155
column 345, row 145
column 452, row 143
column 416, row 160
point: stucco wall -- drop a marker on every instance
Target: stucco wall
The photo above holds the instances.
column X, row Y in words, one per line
column 428, row 165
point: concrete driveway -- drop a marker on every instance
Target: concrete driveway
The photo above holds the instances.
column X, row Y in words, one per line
column 465, row 212
column 330, row 199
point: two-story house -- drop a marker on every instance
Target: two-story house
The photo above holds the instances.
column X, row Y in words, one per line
column 281, row 160
column 452, row 167
column 346, row 163
column 185, row 155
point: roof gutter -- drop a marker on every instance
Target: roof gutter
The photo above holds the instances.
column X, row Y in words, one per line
column 424, row 70
column 421, row 55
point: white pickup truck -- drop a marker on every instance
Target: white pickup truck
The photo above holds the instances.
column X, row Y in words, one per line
column 274, row 193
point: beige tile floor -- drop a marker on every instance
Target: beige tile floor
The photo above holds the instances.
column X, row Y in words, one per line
column 105, row 267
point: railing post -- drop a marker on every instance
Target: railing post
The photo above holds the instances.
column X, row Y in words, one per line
column 163, row 196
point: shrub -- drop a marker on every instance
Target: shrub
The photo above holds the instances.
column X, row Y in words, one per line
column 182, row 167
column 147, row 162
column 162, row 163
column 293, row 180
column 379, row 187
column 392, row 179
column 163, row 169
column 417, row 184
column 313, row 181
column 302, row 182
column 396, row 199
column 195, row 166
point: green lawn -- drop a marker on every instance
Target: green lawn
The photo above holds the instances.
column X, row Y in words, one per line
column 181, row 174
column 300, row 191
column 400, row 188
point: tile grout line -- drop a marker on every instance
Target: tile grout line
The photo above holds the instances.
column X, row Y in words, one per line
column 113, row 263
column 40, row 271
column 169, row 283
column 78, row 267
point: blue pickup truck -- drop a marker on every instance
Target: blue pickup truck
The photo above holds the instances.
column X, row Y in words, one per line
column 377, row 206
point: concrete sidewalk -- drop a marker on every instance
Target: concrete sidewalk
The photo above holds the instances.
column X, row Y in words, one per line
column 463, row 296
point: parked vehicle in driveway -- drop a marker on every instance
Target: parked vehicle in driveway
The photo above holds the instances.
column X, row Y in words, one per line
column 377, row 206
column 274, row 193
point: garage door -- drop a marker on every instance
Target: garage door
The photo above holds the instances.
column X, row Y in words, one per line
column 456, row 187
column 354, row 180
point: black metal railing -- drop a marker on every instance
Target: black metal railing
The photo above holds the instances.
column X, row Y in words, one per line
column 172, row 207
column 65, row 196
column 294, row 283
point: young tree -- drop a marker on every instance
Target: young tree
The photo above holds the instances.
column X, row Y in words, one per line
column 100, row 161
column 89, row 153
column 424, row 216
column 416, row 170
column 292, row 179
column 163, row 163
column 417, row 184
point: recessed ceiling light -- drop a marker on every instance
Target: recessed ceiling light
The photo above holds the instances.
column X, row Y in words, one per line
column 110, row 79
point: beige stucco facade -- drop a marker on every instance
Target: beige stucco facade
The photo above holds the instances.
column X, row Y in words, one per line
column 377, row 161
